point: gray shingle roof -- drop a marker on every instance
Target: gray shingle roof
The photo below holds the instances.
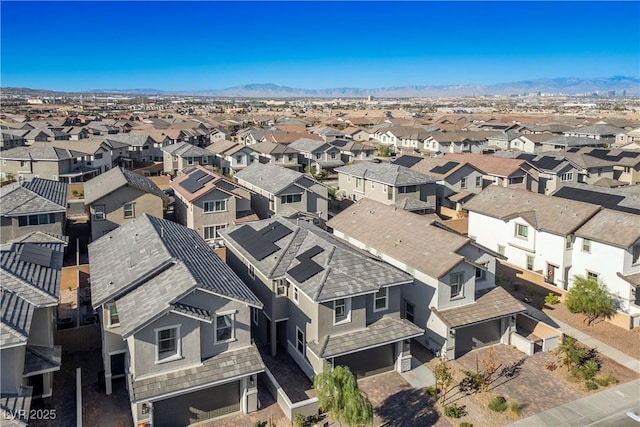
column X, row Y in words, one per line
column 387, row 330
column 40, row 153
column 110, row 181
column 229, row 365
column 185, row 149
column 601, row 129
column 16, row 313
column 492, row 305
column 308, row 145
column 149, row 263
column 386, row 173
column 35, row 196
column 19, row 404
column 270, row 178
column 344, row 272
column 616, row 228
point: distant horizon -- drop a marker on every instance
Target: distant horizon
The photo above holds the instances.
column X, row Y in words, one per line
column 201, row 46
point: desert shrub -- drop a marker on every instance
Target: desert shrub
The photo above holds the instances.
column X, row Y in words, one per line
column 551, row 299
column 590, row 369
column 465, row 424
column 431, row 391
column 515, row 407
column 605, row 380
column 591, row 385
column 257, row 424
column 454, row 411
column 471, row 383
column 299, row 420
column 498, row 404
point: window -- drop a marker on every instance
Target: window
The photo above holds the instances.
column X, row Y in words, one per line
column 168, row 343
column 40, row 219
column 204, row 160
column 516, row 180
column 463, row 182
column 501, row 250
column 291, row 198
column 211, row 232
column 568, row 242
column 385, row 188
column 636, row 255
column 114, row 320
column 522, row 231
column 252, row 271
column 456, row 280
column 224, row 328
column 409, row 312
column 255, row 316
column 281, row 286
column 334, row 155
column 189, row 161
column 567, row 176
column 478, row 181
column 129, row 210
column 99, row 214
column 98, row 156
column 407, row 189
column 381, row 299
column 627, row 169
column 342, row 311
column 481, row 272
column 586, row 245
column 592, row 275
column 296, row 294
column 530, row 261
column 599, row 171
column 290, row 157
column 318, row 156
column 214, row 206
column 300, row 341
column 373, row 185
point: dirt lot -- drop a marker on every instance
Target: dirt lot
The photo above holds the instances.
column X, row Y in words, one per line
column 626, row 341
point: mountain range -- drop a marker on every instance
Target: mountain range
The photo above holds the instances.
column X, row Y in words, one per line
column 565, row 85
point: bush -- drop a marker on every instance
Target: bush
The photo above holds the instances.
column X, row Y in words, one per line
column 604, row 381
column 590, row 369
column 471, row 383
column 257, row 424
column 591, row 385
column 431, row 391
column 515, row 407
column 465, row 424
column 74, row 193
column 454, row 411
column 551, row 299
column 498, row 404
column 299, row 420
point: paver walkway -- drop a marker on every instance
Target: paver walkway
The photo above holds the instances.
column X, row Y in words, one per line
column 588, row 410
column 610, row 352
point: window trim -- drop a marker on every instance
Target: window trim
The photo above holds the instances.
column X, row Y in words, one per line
column 284, row 199
column 531, row 258
column 216, row 228
column 525, row 227
column 232, row 314
column 592, row 274
column 178, row 338
column 255, row 316
column 376, row 298
column 280, row 284
column 460, row 286
column 586, row 247
column 110, row 324
column 214, row 206
column 347, row 311
column 251, row 270
column 296, row 294
column 463, row 182
column 133, row 210
column 300, row 343
column 635, row 254
column 103, row 213
column 413, row 311
column 478, row 181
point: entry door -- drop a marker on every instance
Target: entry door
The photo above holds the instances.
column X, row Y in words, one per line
column 37, row 382
column 117, row 365
column 551, row 273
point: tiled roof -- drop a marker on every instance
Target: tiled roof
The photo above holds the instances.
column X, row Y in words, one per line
column 184, row 149
column 387, row 330
column 18, row 404
column 268, row 177
column 491, row 165
column 16, row 313
column 623, row 199
column 32, row 197
column 149, row 263
column 308, row 145
column 601, row 129
column 40, row 153
column 228, row 365
column 113, row 179
column 386, row 173
column 494, row 304
column 617, row 228
column 218, row 182
column 402, row 235
column 546, row 213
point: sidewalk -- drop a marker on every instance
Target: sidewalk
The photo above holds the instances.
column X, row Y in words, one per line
column 588, row 410
column 610, row 352
column 419, row 376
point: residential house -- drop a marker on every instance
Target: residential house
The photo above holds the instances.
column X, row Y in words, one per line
column 10, row 140
column 142, row 148
column 559, row 143
column 317, row 155
column 277, row 154
column 455, row 142
column 232, row 157
column 549, row 172
column 324, row 303
column 627, row 137
column 284, row 192
column 593, row 167
column 29, row 206
column 456, row 182
column 357, row 134
column 513, row 173
column 175, row 324
column 219, row 134
column 534, row 232
column 119, row 196
column 623, row 199
column 57, row 164
column 388, row 183
column 208, row 202
column 604, row 132
column 99, row 152
column 626, row 163
column 453, row 296
column 180, row 157
column 30, row 287
column 351, row 151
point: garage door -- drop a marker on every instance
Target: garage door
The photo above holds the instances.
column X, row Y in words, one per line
column 369, row 362
column 477, row 336
column 197, row 406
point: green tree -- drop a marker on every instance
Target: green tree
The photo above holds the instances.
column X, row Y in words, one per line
column 572, row 354
column 443, row 376
column 590, row 297
column 339, row 395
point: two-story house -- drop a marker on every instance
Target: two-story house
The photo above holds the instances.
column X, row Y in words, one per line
column 277, row 154
column 232, row 157
column 533, row 231
column 176, row 322
column 351, row 151
column 208, row 202
column 57, row 164
column 119, row 196
column 36, row 205
column 453, row 296
column 549, row 172
column 512, row 173
column 455, row 142
column 323, row 301
column 183, row 156
column 30, row 286
column 604, row 132
column 317, row 155
column 593, row 168
column 142, row 147
column 388, row 183
column 284, row 192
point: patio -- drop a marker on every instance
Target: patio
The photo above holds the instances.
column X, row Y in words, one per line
column 293, row 381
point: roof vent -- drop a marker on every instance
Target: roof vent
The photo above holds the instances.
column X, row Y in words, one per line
column 110, row 283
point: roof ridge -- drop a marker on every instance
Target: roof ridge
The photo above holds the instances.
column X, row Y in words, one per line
column 325, row 274
column 296, row 232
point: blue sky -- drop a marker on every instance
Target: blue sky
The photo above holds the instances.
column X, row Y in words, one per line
column 316, row 45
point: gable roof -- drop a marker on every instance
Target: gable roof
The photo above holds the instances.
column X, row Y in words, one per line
column 491, row 165
column 338, row 271
column 115, row 178
column 407, row 237
column 616, row 228
column 32, row 197
column 545, row 213
column 439, row 167
column 185, row 149
column 157, row 262
column 208, row 181
column 271, row 178
column 40, row 153
column 623, row 199
column 386, row 173
column 598, row 129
